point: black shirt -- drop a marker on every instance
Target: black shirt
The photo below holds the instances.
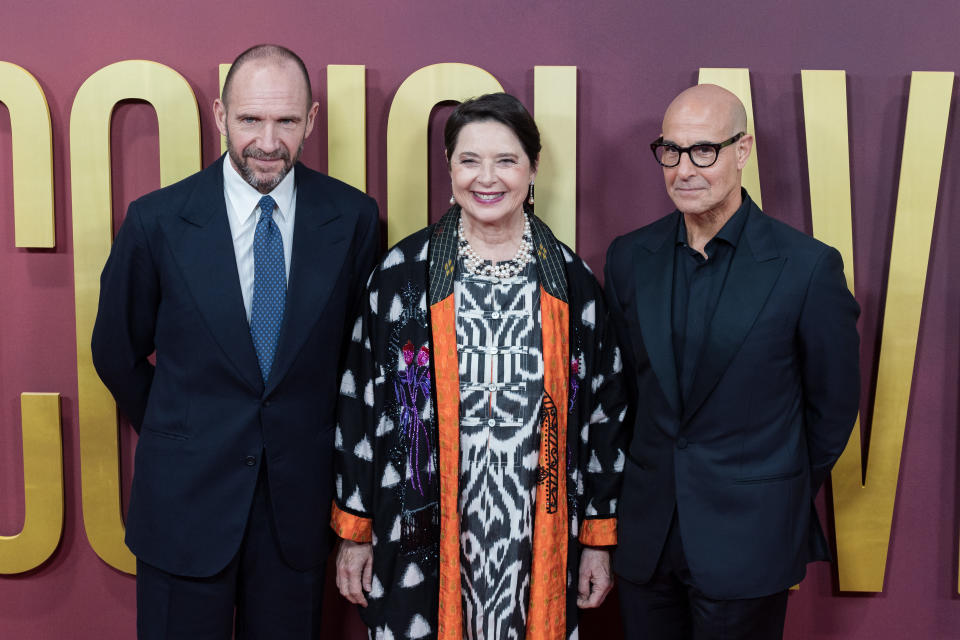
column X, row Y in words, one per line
column 697, row 283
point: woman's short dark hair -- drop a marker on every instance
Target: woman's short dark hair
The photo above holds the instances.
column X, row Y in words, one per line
column 498, row 107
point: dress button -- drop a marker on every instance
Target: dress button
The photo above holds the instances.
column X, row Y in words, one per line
column 249, row 461
column 492, row 387
column 495, row 315
column 491, row 422
column 681, row 443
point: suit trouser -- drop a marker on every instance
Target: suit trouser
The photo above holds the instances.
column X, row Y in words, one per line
column 258, row 595
column 670, row 607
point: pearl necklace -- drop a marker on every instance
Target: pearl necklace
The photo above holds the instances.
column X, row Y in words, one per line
column 506, row 269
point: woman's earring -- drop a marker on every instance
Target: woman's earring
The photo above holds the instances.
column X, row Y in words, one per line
column 453, row 200
column 530, row 197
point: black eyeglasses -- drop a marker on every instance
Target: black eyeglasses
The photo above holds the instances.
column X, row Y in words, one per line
column 701, row 155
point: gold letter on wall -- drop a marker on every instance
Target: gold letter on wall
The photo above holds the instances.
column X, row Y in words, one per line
column 738, row 82
column 347, row 124
column 863, row 503
column 828, row 161
column 32, row 142
column 224, row 69
column 407, row 127
column 42, row 483
column 32, row 145
column 555, row 101
column 179, row 127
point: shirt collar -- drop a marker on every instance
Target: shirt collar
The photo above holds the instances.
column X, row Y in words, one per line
column 732, row 228
column 245, row 199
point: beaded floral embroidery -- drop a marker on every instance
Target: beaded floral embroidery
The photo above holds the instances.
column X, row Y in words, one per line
column 409, row 384
column 574, row 380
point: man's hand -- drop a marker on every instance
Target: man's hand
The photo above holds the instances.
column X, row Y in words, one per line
column 355, row 570
column 595, row 582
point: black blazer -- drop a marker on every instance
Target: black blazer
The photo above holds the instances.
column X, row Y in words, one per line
column 203, row 413
column 772, row 405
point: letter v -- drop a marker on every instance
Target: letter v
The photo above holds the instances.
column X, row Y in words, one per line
column 864, row 499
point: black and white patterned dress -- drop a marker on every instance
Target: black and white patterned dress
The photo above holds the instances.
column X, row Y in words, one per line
column 501, row 386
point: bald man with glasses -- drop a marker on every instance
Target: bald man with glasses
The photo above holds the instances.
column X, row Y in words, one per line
column 740, row 343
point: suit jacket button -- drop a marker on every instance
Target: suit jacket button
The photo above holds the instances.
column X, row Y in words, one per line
column 266, row 403
column 249, row 461
column 681, row 443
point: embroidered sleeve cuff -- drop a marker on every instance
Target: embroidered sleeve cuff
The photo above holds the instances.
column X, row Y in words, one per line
column 599, row 532
column 349, row 526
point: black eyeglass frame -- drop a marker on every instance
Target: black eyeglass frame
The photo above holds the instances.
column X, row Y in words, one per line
column 717, row 146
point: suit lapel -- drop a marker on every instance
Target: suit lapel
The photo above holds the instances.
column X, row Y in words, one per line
column 754, row 270
column 654, row 285
column 320, row 246
column 202, row 245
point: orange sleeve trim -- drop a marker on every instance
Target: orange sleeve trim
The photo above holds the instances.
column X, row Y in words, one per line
column 349, row 526
column 599, row 532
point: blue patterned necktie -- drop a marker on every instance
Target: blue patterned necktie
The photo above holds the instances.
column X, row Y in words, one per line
column 269, row 286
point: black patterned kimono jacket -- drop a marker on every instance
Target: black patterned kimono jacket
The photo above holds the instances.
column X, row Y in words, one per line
column 397, row 441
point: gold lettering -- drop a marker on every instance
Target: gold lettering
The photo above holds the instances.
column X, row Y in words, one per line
column 555, row 101
column 223, row 69
column 42, row 483
column 828, row 161
column 738, row 81
column 32, row 142
column 31, row 135
column 347, row 124
column 407, row 127
column 179, row 133
column 863, row 503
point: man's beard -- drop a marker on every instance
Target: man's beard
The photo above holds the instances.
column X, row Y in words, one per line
column 263, row 185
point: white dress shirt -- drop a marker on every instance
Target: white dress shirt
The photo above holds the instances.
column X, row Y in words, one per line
column 243, row 212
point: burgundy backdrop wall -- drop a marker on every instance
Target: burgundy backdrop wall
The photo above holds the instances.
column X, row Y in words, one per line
column 632, row 56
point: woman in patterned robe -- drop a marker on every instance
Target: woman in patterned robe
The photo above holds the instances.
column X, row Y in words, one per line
column 479, row 446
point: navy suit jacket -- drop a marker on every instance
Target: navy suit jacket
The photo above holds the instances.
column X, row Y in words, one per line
column 204, row 415
column 773, row 401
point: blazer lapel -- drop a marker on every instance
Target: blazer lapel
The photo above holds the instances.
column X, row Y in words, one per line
column 654, row 285
column 202, row 245
column 320, row 234
column 753, row 272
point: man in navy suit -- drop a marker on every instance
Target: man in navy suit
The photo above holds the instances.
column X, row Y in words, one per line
column 243, row 279
column 739, row 339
